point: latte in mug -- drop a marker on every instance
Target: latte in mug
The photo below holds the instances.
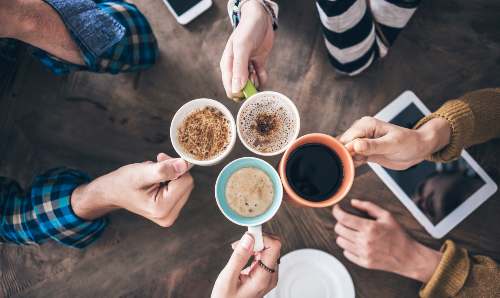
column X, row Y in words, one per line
column 249, row 192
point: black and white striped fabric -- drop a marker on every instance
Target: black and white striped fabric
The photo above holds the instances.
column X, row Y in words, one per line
column 357, row 32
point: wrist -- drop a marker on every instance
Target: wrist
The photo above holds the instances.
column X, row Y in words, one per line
column 252, row 7
column 434, row 135
column 257, row 9
column 423, row 264
column 86, row 203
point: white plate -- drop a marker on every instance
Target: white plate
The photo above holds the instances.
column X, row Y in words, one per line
column 312, row 273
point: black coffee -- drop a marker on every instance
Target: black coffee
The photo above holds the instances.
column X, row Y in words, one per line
column 314, row 172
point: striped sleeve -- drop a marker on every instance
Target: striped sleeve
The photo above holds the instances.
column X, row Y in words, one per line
column 392, row 16
column 354, row 36
column 44, row 212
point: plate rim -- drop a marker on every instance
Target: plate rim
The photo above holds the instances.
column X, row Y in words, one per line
column 320, row 252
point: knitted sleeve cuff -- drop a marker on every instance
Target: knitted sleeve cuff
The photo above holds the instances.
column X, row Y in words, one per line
column 450, row 275
column 461, row 118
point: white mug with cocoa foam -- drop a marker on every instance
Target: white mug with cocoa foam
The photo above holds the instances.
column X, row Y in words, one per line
column 268, row 122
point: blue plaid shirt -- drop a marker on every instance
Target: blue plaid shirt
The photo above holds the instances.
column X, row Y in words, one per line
column 44, row 211
column 137, row 50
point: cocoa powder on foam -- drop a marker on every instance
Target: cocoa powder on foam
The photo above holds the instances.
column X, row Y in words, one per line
column 267, row 125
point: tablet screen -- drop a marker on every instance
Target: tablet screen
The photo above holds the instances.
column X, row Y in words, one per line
column 435, row 188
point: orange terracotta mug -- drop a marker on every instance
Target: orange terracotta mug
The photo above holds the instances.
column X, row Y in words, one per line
column 347, row 170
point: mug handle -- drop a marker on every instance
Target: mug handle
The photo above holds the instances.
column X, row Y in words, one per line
column 256, row 232
column 247, row 91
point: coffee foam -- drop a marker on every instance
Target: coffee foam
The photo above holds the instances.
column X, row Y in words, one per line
column 277, row 139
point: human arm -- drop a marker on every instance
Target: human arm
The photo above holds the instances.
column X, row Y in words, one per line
column 248, row 46
column 37, row 23
column 102, row 36
column 474, row 118
column 44, row 211
column 460, row 274
column 441, row 136
column 381, row 243
column 236, row 281
column 392, row 146
column 154, row 190
column 64, row 205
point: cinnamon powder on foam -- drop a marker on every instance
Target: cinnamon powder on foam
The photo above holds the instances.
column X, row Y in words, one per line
column 204, row 133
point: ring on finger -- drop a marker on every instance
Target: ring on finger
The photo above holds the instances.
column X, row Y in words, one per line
column 263, row 266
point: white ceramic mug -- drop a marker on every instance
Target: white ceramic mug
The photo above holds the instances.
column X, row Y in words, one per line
column 253, row 96
column 188, row 108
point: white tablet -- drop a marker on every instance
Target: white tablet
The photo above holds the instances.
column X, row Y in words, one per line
column 439, row 195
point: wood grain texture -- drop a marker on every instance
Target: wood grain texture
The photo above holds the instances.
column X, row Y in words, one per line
column 99, row 122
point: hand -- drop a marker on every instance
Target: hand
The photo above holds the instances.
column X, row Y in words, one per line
column 392, row 146
column 381, row 243
column 156, row 191
column 249, row 44
column 253, row 281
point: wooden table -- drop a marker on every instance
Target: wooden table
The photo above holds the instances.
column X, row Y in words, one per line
column 99, row 122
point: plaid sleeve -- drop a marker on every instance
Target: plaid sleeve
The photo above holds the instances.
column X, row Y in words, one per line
column 137, row 50
column 44, row 211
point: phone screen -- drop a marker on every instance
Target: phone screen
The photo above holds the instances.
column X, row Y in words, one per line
column 181, row 6
column 435, row 188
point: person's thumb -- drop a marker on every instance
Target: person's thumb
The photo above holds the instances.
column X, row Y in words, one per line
column 241, row 57
column 241, row 254
column 164, row 170
column 368, row 147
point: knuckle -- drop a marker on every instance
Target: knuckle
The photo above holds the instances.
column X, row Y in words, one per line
column 368, row 120
column 339, row 241
column 158, row 171
column 340, row 216
column 369, row 263
column 404, row 166
column 167, row 222
column 189, row 180
column 261, row 289
column 157, row 212
column 277, row 244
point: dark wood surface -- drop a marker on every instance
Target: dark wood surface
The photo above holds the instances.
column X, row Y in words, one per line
column 99, row 122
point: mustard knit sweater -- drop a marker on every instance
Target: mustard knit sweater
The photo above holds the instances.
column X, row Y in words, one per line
column 474, row 118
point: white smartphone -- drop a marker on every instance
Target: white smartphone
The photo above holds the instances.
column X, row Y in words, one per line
column 185, row 11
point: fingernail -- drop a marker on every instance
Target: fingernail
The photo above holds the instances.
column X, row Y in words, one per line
column 236, row 85
column 354, row 201
column 180, row 166
column 246, row 242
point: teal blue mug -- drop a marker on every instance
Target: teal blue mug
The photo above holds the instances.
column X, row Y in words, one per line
column 254, row 224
